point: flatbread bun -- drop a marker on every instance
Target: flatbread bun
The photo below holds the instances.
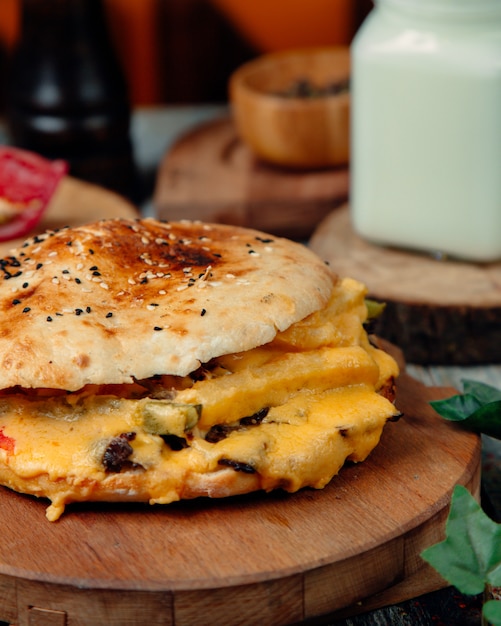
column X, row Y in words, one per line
column 124, row 299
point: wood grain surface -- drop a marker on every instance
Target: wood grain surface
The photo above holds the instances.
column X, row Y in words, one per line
column 210, row 174
column 437, row 311
column 260, row 559
column 76, row 202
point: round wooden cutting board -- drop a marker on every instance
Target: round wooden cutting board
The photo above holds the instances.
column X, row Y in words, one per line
column 77, row 202
column 260, row 559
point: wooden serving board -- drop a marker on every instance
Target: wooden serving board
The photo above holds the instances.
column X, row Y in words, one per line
column 211, row 175
column 437, row 312
column 266, row 559
column 76, row 202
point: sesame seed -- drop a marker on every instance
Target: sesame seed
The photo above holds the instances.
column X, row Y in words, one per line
column 162, row 292
column 103, row 285
column 55, row 280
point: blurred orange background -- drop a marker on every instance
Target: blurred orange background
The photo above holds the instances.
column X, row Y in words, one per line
column 184, row 50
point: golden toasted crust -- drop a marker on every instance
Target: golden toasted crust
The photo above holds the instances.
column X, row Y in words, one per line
column 122, row 299
column 128, row 487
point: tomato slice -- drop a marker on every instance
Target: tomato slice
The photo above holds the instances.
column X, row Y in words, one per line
column 27, row 183
column 6, row 442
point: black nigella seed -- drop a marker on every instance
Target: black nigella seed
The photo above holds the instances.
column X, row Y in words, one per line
column 203, row 312
column 110, row 314
column 39, row 265
column 157, row 328
column 66, row 271
column 49, row 318
column 88, row 309
column 25, row 285
column 78, row 311
column 262, row 240
column 16, row 301
column 78, row 281
column 91, row 251
column 93, row 268
column 96, row 273
column 26, row 309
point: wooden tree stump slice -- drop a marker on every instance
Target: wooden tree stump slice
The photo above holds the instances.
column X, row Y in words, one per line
column 437, row 312
column 211, row 175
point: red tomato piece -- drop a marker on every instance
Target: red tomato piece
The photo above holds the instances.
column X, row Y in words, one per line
column 27, row 183
column 6, row 443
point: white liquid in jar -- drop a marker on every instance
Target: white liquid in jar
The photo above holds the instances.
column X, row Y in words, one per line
column 426, row 134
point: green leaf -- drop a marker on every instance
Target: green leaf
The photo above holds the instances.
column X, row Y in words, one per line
column 492, row 612
column 470, row 556
column 486, row 419
column 456, row 408
column 481, row 391
column 477, row 409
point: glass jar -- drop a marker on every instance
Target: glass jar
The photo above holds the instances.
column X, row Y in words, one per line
column 426, row 127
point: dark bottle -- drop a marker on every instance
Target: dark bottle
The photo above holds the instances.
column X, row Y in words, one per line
column 67, row 96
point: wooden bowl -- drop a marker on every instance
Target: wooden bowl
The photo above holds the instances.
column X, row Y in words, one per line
column 297, row 132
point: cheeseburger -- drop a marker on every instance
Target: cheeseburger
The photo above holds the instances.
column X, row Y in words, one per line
column 153, row 362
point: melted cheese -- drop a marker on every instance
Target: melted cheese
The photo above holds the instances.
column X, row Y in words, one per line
column 317, row 383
